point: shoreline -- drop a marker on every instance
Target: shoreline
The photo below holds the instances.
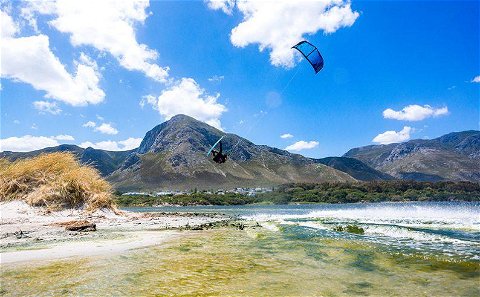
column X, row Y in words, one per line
column 122, row 207
column 30, row 234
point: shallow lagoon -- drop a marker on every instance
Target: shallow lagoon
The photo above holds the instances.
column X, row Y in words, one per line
column 408, row 249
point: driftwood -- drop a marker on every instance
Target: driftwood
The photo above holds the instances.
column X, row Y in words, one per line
column 82, row 225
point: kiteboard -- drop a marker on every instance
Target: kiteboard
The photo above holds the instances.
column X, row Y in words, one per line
column 213, row 146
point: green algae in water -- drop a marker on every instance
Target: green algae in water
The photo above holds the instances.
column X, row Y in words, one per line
column 225, row 262
column 350, row 229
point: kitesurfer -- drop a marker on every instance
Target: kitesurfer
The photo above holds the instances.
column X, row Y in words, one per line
column 218, row 156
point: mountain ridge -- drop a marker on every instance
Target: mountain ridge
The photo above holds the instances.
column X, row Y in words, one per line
column 172, row 155
column 454, row 156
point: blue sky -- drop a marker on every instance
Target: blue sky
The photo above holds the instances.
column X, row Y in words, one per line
column 103, row 76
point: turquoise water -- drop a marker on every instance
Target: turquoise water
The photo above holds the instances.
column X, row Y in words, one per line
column 449, row 229
column 408, row 249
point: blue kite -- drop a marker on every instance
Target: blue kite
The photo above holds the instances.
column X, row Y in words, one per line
column 311, row 53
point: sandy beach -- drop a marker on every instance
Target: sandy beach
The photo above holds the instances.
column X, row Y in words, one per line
column 30, row 234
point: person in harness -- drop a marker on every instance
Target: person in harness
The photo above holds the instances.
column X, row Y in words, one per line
column 218, row 156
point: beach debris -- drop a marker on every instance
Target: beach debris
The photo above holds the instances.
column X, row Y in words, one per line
column 79, row 226
column 18, row 234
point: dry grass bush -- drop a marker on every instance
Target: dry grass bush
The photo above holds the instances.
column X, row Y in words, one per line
column 55, row 180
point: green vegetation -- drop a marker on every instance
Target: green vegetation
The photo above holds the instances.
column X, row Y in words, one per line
column 374, row 191
column 186, row 199
column 350, row 229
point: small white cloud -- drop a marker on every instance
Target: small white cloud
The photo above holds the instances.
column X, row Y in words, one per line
column 148, row 99
column 302, row 145
column 29, row 143
column 47, row 107
column 16, row 122
column 34, row 126
column 187, row 97
column 106, row 128
column 216, row 78
column 100, row 118
column 393, row 136
column 286, row 136
column 9, row 27
column 64, row 137
column 225, row 5
column 89, row 124
column 451, row 88
column 414, row 113
column 130, row 143
column 109, row 145
column 476, row 79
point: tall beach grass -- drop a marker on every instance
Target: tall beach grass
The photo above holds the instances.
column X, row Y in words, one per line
column 56, row 181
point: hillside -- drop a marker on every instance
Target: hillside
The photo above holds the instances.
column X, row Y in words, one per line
column 355, row 168
column 172, row 155
column 454, row 156
column 104, row 161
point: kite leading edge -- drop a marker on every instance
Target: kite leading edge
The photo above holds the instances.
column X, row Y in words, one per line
column 311, row 54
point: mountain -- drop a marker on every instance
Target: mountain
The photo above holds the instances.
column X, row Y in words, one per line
column 454, row 156
column 173, row 155
column 355, row 168
column 105, row 161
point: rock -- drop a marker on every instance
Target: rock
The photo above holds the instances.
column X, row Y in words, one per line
column 18, row 234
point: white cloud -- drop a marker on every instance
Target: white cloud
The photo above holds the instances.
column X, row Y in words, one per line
column 106, row 128
column 46, row 106
column 130, row 143
column 225, row 5
column 107, row 25
column 414, row 113
column 30, row 143
column 286, row 135
column 476, row 79
column 279, row 25
column 8, row 27
column 64, row 137
column 89, row 124
column 187, row 97
column 150, row 99
column 30, row 60
column 109, row 145
column 216, row 78
column 16, row 122
column 302, row 145
column 393, row 136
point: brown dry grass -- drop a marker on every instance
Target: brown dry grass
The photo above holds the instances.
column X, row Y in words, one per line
column 55, row 180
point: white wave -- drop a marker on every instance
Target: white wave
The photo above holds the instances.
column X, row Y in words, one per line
column 408, row 234
column 270, row 226
column 408, row 215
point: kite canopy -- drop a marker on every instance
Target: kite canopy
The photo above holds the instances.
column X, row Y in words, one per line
column 213, row 146
column 311, row 53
